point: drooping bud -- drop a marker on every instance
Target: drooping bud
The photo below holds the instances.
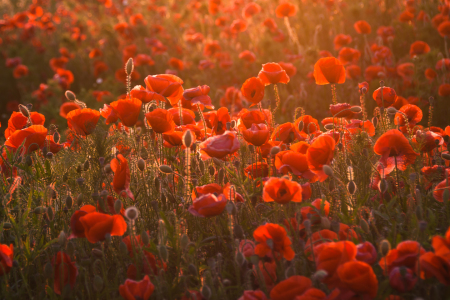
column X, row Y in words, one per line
column 274, row 150
column 327, row 170
column 98, row 283
column 391, row 110
column 356, row 109
column 383, row 185
column 165, row 169
column 145, row 238
column 118, row 206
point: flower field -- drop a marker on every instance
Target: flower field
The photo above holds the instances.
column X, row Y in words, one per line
column 225, row 149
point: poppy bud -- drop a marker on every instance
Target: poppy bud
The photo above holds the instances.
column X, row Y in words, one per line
column 431, row 100
column 327, row 170
column 69, row 202
column 184, row 241
column 217, row 162
column 375, row 122
column 201, row 164
column 86, row 165
column 351, row 187
column 50, row 213
column 129, row 67
column 165, row 169
column 56, row 136
column 62, row 238
column 364, row 225
column 141, row 164
column 240, row 259
column 391, row 110
column 98, row 283
column 212, row 170
column 206, row 292
column 419, row 212
column 221, row 175
column 329, row 126
column 145, row 238
column 70, row 95
column 107, row 169
column 80, row 199
column 192, row 270
column 356, row 109
column 188, row 139
column 383, row 185
column 131, row 213
column 307, row 224
column 274, row 150
column 385, row 247
column 28, row 161
column 445, row 156
column 228, row 125
column 48, row 270
column 325, row 223
column 162, row 233
column 118, row 206
column 24, row 110
column 301, row 125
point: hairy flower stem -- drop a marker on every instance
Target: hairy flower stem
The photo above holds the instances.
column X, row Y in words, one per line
column 292, row 34
column 180, row 111
column 333, row 92
column 203, row 118
column 187, row 181
column 362, row 100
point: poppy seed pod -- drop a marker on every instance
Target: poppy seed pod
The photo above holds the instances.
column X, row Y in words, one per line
column 118, row 206
column 351, row 187
column 62, row 238
column 24, row 110
column 70, row 95
column 445, row 156
column 80, row 181
column 129, row 67
column 165, row 169
column 141, row 164
column 375, row 122
column 364, row 225
column 274, row 150
column 69, row 202
column 385, row 247
column 107, row 169
column 80, row 199
column 188, row 139
column 131, row 213
column 327, row 170
column 30, row 106
column 319, row 275
column 356, row 109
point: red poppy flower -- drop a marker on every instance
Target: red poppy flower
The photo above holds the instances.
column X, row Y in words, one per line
column 149, row 265
column 131, row 289
column 341, row 40
column 444, row 29
column 432, row 265
column 219, row 146
column 349, row 55
column 187, row 115
column 249, row 117
column 19, row 121
column 198, row 95
column 294, row 162
column 430, row 74
column 214, row 188
column 290, row 69
column 97, row 225
column 343, row 110
column 319, row 237
column 359, row 278
column 373, row 72
column 330, row 256
column 367, row 253
column 75, row 225
column 290, row 288
column 279, row 241
column 412, row 113
column 273, row 73
column 384, row 96
column 161, row 121
column 320, row 153
column 313, row 294
column 208, row 205
column 165, row 85
column 143, row 60
column 247, row 55
column 252, row 295
column 286, row 133
column 285, row 10
column 61, row 262
column 67, row 107
column 109, row 113
column 20, row 71
column 257, row 170
column 394, row 149
column 282, row 191
column 405, row 255
column 232, row 99
column 253, row 90
column 310, row 125
column 362, row 27
column 353, row 72
column 33, row 136
column 270, row 24
column 128, row 110
column 329, row 70
column 257, row 135
column 402, row 279
column 219, row 121
column 444, row 90
column 418, row 48
column 438, row 192
column 250, row 10
column 121, row 180
column 83, row 121
column 6, row 258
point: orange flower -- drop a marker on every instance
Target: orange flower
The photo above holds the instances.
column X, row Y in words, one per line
column 6, row 258
column 432, row 265
column 286, row 133
column 412, row 113
column 285, row 10
column 165, row 85
column 250, row 10
column 320, row 205
column 430, row 74
column 329, row 70
column 310, row 125
column 198, row 95
column 405, row 255
column 269, row 273
column 289, row 288
column 300, row 147
column 362, row 27
column 313, row 294
column 444, row 29
column 208, row 205
column 341, row 40
column 67, row 107
column 438, row 192
column 161, row 121
column 75, row 225
column 219, row 146
column 343, row 110
column 320, row 153
column 373, row 72
column 214, row 188
column 257, row 135
column 356, row 126
column 444, row 90
column 20, row 71
column 394, row 149
column 282, row 191
column 19, row 121
column 384, row 96
column 187, row 115
column 121, row 180
column 273, row 237
column 252, row 295
column 109, row 113
column 319, row 237
column 176, row 63
column 33, row 136
column 219, row 121
column 294, row 162
column 249, row 117
column 290, row 69
column 418, row 48
column 349, row 55
column 353, row 72
column 247, row 55
column 61, row 262
column 359, row 278
column 83, row 121
column 273, row 73
column 128, row 110
column 257, row 170
column 97, row 225
column 131, row 289
column 329, row 256
column 253, row 90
